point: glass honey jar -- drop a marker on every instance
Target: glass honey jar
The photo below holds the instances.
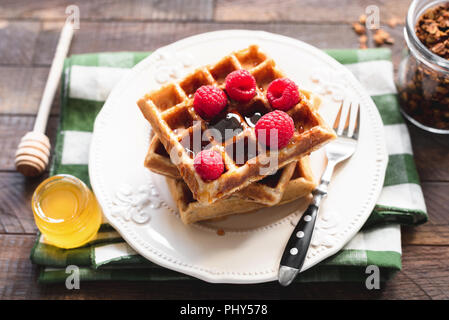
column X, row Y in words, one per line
column 66, row 211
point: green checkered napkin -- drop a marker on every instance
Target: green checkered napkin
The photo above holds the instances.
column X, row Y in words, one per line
column 87, row 81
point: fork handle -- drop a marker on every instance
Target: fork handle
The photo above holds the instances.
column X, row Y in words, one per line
column 295, row 251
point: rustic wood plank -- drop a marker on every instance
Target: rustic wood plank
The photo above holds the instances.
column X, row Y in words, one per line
column 17, row 41
column 21, row 89
column 428, row 268
column 305, row 10
column 436, row 230
column 12, row 129
column 136, row 36
column 425, row 275
column 17, row 275
column 437, row 200
column 428, row 234
column 397, row 49
column 431, row 155
column 95, row 37
column 110, row 9
column 15, row 196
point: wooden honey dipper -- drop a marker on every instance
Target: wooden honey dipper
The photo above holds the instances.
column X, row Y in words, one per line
column 33, row 152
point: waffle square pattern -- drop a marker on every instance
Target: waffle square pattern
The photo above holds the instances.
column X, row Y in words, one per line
column 184, row 133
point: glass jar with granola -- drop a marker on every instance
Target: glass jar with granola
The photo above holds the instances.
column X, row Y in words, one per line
column 423, row 77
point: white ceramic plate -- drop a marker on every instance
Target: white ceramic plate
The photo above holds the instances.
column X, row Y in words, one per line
column 137, row 203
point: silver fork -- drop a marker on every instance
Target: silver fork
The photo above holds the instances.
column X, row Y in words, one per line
column 346, row 124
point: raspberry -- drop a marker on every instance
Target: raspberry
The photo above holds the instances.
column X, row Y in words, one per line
column 283, row 94
column 275, row 120
column 208, row 164
column 209, row 101
column 241, row 85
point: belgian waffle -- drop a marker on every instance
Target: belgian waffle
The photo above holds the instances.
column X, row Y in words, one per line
column 171, row 115
column 300, row 185
column 267, row 191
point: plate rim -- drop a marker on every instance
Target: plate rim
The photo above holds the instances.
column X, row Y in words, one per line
column 163, row 259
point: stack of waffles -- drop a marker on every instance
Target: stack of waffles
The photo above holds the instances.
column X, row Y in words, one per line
column 253, row 176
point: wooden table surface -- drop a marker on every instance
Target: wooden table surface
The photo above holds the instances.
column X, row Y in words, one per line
column 28, row 35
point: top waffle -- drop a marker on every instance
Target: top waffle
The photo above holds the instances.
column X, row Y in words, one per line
column 184, row 133
column 267, row 191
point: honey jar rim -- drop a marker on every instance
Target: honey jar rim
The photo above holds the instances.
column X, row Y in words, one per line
column 46, row 184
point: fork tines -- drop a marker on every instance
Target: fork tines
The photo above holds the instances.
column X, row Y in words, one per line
column 347, row 121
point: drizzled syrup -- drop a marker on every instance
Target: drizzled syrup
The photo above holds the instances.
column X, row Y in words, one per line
column 252, row 119
column 224, row 128
column 228, row 126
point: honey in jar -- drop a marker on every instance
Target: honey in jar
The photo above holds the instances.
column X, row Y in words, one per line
column 66, row 211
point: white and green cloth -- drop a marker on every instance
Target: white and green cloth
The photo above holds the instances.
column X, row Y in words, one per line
column 87, row 81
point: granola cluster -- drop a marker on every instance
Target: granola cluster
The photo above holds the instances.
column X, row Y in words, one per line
column 424, row 91
column 432, row 30
column 380, row 36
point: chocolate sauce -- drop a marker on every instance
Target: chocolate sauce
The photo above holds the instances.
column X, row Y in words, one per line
column 228, row 126
column 252, row 119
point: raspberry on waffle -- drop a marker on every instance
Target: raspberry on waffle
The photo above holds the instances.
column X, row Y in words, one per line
column 299, row 185
column 171, row 114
